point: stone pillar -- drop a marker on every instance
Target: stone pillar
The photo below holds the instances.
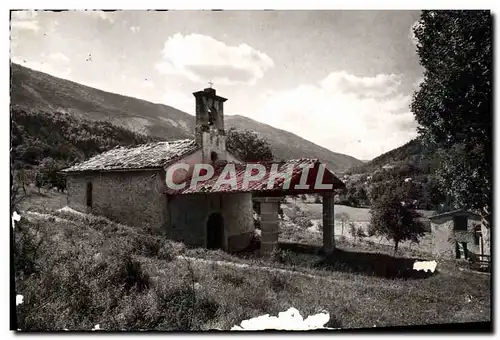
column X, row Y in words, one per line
column 269, row 224
column 328, row 223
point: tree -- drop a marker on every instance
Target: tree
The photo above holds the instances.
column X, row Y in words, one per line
column 49, row 169
column 344, row 217
column 453, row 104
column 248, row 146
column 352, row 230
column 394, row 218
column 38, row 180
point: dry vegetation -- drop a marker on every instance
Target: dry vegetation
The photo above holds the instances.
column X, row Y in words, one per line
column 76, row 271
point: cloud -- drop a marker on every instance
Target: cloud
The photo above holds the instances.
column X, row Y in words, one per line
column 60, row 71
column 24, row 20
column 59, row 57
column 381, row 85
column 200, row 57
column 360, row 116
column 56, row 64
column 135, row 29
column 107, row 16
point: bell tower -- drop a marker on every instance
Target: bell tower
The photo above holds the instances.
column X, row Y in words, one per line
column 209, row 130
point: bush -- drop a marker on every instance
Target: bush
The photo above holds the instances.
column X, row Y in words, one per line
column 360, row 233
column 132, row 276
column 281, row 256
column 352, row 229
column 300, row 218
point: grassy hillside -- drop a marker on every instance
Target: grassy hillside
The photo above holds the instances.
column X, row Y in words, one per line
column 413, row 153
column 411, row 166
column 124, row 278
column 35, row 90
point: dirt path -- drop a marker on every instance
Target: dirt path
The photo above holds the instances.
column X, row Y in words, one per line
column 249, row 266
column 45, row 216
column 275, row 270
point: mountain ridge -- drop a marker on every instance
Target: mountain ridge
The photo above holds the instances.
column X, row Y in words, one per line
column 37, row 90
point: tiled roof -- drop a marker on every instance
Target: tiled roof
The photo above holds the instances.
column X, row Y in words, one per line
column 454, row 212
column 260, row 186
column 150, row 155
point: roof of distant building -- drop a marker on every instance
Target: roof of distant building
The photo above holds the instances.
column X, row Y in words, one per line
column 453, row 213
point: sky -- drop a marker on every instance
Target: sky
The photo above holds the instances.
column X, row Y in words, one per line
column 341, row 79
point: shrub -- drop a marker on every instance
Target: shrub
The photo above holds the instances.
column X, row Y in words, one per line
column 360, row 233
column 132, row 275
column 281, row 256
column 352, row 229
column 151, row 245
column 300, row 218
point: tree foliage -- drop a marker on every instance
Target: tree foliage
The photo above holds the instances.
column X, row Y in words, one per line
column 453, row 104
column 394, row 217
column 51, row 141
column 248, row 146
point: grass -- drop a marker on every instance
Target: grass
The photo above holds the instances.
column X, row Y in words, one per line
column 360, row 217
column 45, row 201
column 78, row 271
column 315, row 210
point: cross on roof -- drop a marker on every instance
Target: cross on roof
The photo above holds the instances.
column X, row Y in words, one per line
column 210, row 83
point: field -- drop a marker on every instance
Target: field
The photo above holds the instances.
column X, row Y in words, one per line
column 360, row 217
column 76, row 271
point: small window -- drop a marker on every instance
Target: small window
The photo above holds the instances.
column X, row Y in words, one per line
column 461, row 248
column 211, row 116
column 460, row 223
column 89, row 194
column 477, row 235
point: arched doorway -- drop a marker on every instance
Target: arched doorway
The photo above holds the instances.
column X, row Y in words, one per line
column 215, row 231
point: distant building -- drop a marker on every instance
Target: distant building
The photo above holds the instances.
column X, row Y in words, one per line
column 128, row 185
column 457, row 235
